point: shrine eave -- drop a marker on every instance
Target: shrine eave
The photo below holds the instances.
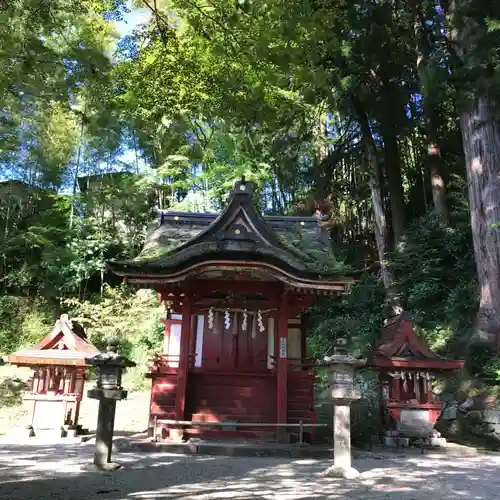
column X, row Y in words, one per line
column 304, row 281
column 425, row 363
column 34, row 357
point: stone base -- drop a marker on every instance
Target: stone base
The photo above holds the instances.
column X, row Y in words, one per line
column 438, row 441
column 106, row 467
column 47, row 433
column 392, row 440
column 343, row 472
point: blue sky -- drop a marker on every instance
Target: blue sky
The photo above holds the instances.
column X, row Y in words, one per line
column 131, row 20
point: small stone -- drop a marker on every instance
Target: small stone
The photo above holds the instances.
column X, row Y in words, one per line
column 438, row 442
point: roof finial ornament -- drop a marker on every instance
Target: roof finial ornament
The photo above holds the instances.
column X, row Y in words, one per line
column 243, row 187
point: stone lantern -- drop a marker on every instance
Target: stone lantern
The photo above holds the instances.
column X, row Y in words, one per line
column 108, row 390
column 342, row 392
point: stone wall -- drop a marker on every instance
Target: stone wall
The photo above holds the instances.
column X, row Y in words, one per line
column 477, row 417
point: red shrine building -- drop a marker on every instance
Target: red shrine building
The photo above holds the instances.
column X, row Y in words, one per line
column 58, row 377
column 234, row 285
column 407, row 368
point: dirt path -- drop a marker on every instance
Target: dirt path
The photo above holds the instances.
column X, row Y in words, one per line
column 43, row 471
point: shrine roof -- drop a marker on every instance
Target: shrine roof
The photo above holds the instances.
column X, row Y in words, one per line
column 300, row 246
column 399, row 346
column 66, row 344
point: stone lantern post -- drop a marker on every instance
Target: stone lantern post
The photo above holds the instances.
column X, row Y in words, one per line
column 108, row 390
column 342, row 391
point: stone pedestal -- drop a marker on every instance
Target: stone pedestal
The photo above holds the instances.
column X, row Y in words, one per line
column 108, row 391
column 342, row 392
column 342, row 443
column 104, row 433
column 342, row 436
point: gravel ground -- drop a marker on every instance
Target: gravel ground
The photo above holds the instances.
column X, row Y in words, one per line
column 44, row 470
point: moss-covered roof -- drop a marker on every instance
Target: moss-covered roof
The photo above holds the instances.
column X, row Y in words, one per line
column 239, row 233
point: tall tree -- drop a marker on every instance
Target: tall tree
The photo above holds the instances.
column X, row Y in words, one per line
column 425, row 20
column 474, row 29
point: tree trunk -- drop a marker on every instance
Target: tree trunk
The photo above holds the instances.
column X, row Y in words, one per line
column 379, row 218
column 394, row 182
column 481, row 141
column 435, row 163
column 320, row 155
column 434, row 160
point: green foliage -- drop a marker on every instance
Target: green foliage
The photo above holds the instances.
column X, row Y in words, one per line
column 358, row 314
column 132, row 318
column 23, row 322
column 435, row 279
column 11, row 391
column 51, row 57
column 48, row 250
column 260, row 89
column 483, row 363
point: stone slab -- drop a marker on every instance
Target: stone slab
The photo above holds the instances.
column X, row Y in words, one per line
column 276, row 450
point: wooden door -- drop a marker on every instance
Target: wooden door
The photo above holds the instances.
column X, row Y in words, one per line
column 234, row 349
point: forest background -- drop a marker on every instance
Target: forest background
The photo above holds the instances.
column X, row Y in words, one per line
column 379, row 114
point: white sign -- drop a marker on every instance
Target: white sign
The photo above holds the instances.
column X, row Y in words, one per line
column 283, row 350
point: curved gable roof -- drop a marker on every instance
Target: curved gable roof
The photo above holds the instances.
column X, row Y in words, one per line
column 297, row 245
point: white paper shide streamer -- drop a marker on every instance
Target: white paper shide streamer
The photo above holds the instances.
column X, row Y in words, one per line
column 244, row 323
column 252, row 320
column 211, row 318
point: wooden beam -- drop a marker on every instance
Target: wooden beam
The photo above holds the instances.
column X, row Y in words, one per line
column 182, row 372
column 269, row 289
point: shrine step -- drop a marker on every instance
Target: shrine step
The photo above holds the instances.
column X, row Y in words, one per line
column 230, row 448
column 234, row 448
column 238, row 436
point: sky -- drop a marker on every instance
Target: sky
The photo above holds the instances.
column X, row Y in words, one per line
column 131, row 20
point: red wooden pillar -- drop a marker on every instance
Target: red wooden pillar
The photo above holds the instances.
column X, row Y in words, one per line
column 282, row 365
column 182, row 371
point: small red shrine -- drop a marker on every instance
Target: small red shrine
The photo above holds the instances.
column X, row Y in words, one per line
column 56, row 385
column 406, row 369
column 234, row 286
